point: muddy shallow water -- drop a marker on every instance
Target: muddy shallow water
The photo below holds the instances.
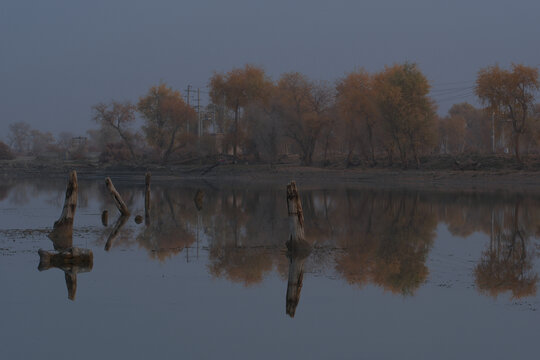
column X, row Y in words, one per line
column 402, row 273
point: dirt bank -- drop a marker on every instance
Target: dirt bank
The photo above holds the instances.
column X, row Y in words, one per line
column 426, row 178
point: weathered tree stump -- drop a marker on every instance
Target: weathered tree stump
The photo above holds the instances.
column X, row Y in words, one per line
column 120, row 204
column 120, row 222
column 105, row 218
column 63, row 227
column 147, row 198
column 297, row 241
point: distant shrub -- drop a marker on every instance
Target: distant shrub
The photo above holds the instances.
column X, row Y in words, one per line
column 116, row 152
column 5, row 152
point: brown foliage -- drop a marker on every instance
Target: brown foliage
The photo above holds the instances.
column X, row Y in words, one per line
column 304, row 108
column 166, row 118
column 407, row 112
column 359, row 114
column 510, row 95
column 237, row 89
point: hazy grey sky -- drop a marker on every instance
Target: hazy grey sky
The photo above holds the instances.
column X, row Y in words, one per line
column 59, row 57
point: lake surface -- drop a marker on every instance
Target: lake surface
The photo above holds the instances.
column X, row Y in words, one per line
column 393, row 274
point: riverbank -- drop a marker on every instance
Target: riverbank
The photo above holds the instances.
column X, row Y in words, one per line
column 469, row 174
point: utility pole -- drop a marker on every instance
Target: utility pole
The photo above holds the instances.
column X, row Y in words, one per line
column 493, row 132
column 199, row 111
column 188, row 90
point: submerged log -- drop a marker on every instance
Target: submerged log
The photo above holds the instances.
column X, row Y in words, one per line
column 120, row 204
column 120, row 222
column 63, row 227
column 297, row 241
column 147, row 198
column 105, row 218
column 294, row 284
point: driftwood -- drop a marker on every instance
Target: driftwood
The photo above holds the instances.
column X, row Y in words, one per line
column 71, row 262
column 294, row 284
column 297, row 241
column 147, row 198
column 63, row 227
column 83, row 258
column 105, row 218
column 120, row 222
column 120, row 204
column 198, row 199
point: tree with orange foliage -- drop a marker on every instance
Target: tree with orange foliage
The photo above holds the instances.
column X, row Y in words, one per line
column 356, row 105
column 237, row 89
column 166, row 117
column 510, row 94
column 304, row 108
column 407, row 113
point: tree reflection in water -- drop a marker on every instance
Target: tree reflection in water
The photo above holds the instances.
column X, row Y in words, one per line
column 366, row 236
column 506, row 264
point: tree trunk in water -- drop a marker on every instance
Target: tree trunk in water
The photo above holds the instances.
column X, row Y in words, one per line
column 105, row 218
column 297, row 241
column 120, row 204
column 62, row 234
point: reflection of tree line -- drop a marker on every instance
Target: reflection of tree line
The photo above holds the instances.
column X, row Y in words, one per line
column 382, row 237
column 370, row 237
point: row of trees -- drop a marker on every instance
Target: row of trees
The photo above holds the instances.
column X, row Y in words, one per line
column 369, row 117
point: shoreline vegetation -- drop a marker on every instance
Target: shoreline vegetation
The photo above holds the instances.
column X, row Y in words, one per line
column 371, row 129
column 474, row 173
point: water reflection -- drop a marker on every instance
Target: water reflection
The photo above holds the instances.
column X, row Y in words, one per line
column 506, row 264
column 366, row 237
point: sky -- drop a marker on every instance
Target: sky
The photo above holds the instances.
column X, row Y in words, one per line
column 60, row 57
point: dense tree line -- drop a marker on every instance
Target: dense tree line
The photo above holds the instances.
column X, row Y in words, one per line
column 365, row 118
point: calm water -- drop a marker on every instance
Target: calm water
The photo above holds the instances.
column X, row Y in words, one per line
column 393, row 274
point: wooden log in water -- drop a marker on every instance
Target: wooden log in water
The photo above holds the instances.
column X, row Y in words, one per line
column 297, row 241
column 120, row 204
column 82, row 258
column 62, row 233
column 147, row 198
column 70, row 202
column 105, row 218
